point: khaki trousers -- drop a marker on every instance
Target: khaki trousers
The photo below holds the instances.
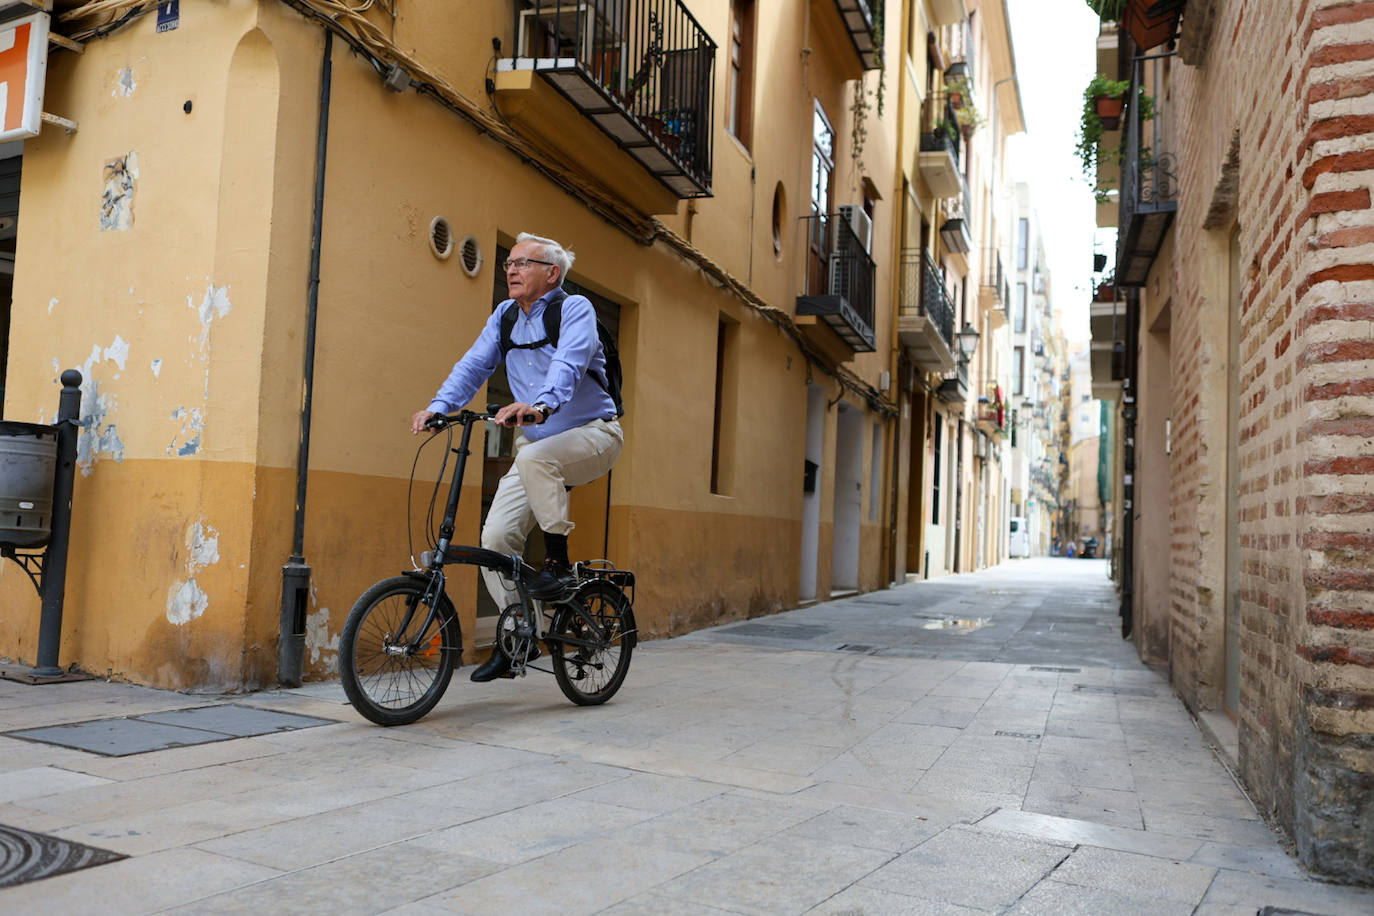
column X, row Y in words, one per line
column 534, row 490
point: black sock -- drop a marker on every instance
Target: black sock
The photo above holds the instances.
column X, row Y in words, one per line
column 556, row 548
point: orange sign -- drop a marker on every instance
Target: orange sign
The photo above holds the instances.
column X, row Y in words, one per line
column 23, row 72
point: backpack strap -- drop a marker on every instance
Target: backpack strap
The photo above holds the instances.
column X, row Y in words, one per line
column 553, row 317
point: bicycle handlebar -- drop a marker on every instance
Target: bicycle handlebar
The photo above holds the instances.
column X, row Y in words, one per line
column 465, row 417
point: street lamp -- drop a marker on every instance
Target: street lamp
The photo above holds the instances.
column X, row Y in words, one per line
column 968, row 341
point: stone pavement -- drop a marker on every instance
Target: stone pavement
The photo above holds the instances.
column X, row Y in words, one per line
column 983, row 743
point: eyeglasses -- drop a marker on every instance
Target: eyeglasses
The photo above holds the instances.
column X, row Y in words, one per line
column 522, row 263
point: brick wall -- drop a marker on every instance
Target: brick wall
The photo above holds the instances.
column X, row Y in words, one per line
column 1293, row 83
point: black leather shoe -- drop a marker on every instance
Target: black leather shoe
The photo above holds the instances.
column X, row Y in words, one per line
column 498, row 666
column 553, row 580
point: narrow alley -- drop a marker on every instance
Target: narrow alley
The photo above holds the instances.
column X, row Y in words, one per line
column 983, row 743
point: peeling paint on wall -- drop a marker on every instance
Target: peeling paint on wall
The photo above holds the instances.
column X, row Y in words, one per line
column 118, row 352
column 124, row 84
column 317, row 638
column 187, row 440
column 215, row 303
column 117, row 203
column 52, row 303
column 186, row 600
column 157, row 368
column 99, row 436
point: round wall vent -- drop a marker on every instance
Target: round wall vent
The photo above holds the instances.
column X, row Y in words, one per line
column 440, row 238
column 471, row 255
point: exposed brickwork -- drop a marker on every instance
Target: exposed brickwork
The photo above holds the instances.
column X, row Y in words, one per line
column 1303, row 489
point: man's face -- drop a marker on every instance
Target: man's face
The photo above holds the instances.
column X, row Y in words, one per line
column 535, row 279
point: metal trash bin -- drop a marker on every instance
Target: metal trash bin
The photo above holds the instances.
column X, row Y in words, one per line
column 28, row 463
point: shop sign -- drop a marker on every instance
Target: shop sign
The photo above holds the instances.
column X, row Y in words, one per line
column 23, row 71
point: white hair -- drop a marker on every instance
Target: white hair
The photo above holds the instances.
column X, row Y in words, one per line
column 552, row 252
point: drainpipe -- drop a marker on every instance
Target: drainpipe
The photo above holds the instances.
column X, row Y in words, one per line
column 1128, row 416
column 958, row 493
column 295, row 575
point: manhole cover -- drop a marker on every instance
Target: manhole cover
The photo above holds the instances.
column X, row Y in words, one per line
column 1054, row 669
column 26, row 856
column 161, row 730
column 777, row 630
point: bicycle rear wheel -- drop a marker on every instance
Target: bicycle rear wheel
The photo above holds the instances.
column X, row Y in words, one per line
column 590, row 668
column 394, row 678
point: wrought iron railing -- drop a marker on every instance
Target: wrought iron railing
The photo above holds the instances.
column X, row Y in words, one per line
column 838, row 264
column 923, row 293
column 940, row 126
column 992, row 272
column 648, row 59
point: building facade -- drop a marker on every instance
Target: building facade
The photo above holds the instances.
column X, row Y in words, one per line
column 723, row 172
column 1245, row 239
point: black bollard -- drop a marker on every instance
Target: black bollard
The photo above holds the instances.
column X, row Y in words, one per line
column 54, row 584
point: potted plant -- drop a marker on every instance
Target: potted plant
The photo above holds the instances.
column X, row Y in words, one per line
column 960, row 89
column 1092, row 126
column 1109, row 99
column 1149, row 22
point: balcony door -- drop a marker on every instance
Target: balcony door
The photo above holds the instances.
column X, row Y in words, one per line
column 822, row 196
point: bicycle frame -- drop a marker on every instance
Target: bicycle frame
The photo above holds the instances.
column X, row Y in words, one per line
column 512, row 566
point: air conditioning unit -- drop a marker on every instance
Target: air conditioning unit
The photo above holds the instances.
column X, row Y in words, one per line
column 859, row 223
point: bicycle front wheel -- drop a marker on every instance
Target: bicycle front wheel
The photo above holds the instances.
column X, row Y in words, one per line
column 590, row 666
column 394, row 677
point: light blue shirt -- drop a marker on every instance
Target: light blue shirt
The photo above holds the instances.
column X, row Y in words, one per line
column 558, row 378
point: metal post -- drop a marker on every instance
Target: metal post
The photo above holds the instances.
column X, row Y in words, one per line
column 54, row 584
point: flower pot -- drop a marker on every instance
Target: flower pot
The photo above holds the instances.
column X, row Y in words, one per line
column 1149, row 31
column 1105, row 292
column 1109, row 110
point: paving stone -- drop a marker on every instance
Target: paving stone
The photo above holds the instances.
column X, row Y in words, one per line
column 1233, row 888
column 1114, row 807
column 869, row 829
column 586, row 878
column 970, row 868
column 781, row 874
column 1139, row 876
column 119, row 737
column 35, row 782
column 1056, row 898
column 233, row 719
column 868, row 901
column 1089, row 833
column 529, row 832
column 718, row 826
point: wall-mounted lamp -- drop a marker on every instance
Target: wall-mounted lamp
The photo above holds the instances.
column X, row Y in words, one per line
column 968, row 341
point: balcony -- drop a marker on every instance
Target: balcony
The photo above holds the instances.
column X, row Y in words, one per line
column 940, row 141
column 839, row 286
column 994, row 294
column 925, row 316
column 863, row 19
column 1149, row 190
column 624, row 88
column 954, row 388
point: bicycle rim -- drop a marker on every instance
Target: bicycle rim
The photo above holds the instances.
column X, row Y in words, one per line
column 387, row 682
column 591, row 674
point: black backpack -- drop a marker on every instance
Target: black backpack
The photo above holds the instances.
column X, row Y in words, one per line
column 553, row 320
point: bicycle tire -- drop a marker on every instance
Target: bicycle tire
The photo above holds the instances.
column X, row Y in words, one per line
column 391, row 689
column 602, row 669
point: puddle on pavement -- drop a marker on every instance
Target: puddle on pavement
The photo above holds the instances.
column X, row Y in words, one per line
column 958, row 624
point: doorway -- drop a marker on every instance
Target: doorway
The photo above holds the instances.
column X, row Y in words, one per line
column 591, row 503
column 1231, row 689
column 10, row 170
column 849, row 478
column 811, row 487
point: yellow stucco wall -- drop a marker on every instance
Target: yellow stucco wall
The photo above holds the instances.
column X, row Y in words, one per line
column 188, row 324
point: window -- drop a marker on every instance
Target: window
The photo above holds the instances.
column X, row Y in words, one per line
column 1018, row 371
column 822, row 162
column 1020, row 308
column 935, row 476
column 1022, row 243
column 739, row 112
column 727, row 386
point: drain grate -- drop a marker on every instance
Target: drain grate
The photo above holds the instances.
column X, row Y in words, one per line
column 1118, row 691
column 1055, row 670
column 1031, row 735
column 162, row 730
column 855, row 647
column 26, row 856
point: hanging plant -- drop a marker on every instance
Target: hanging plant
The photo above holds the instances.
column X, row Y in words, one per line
column 1092, row 126
column 1108, row 10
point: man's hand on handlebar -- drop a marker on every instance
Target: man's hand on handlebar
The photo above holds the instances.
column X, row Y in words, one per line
column 417, row 422
column 518, row 414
